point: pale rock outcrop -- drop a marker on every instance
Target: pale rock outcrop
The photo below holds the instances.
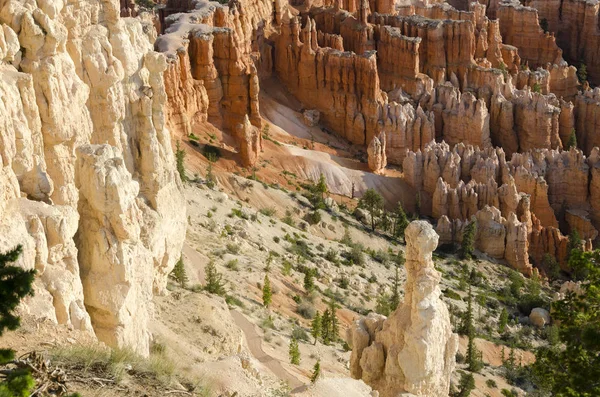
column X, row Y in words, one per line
column 412, row 351
column 587, row 116
column 539, row 317
column 517, row 245
column 579, row 220
column 85, row 76
column 376, row 154
column 250, row 141
column 117, row 270
column 468, row 121
column 491, row 232
column 311, row 117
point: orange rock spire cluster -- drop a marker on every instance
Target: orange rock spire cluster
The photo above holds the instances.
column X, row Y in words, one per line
column 394, row 77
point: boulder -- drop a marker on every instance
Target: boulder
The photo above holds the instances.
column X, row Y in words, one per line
column 539, row 317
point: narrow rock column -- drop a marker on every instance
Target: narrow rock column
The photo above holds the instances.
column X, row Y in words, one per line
column 412, row 351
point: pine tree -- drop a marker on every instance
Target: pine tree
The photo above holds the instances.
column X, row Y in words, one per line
column 465, row 386
column 383, row 304
column 211, row 181
column 326, row 326
column 472, row 358
column 582, row 73
column 267, row 295
column 321, row 187
column 400, row 221
column 503, row 321
column 570, row 367
column 511, row 363
column 468, row 242
column 572, row 142
column 180, row 160
column 316, row 327
column 309, row 281
column 574, row 242
column 15, row 284
column 179, row 274
column 294, row 351
column 373, row 203
column 269, row 261
column 214, row 280
column 395, row 299
column 316, row 371
column 418, row 205
column 334, row 326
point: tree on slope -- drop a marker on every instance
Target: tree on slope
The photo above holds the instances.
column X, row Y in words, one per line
column 373, row 203
column 15, row 284
column 468, row 242
column 179, row 274
column 294, row 351
column 572, row 142
column 316, row 371
column 267, row 294
column 214, row 280
column 472, row 358
column 315, row 327
column 180, row 161
column 400, row 221
column 572, row 367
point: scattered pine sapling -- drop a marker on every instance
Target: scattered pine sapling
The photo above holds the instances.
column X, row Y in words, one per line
column 316, row 371
column 180, row 162
column 373, row 203
column 473, row 356
column 214, row 280
column 309, row 281
column 334, row 326
column 211, row 181
column 326, row 327
column 503, row 321
column 267, row 294
column 316, row 327
column 294, row 351
column 400, row 221
column 179, row 274
column 572, row 142
column 468, row 242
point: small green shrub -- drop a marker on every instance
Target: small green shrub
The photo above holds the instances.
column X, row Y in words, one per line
column 232, row 265
column 210, row 151
column 306, row 310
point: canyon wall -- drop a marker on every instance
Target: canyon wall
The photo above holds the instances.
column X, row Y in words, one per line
column 519, row 203
column 214, row 56
column 77, row 76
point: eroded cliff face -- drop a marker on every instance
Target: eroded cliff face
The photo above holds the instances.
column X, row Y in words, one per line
column 413, row 350
column 215, row 54
column 509, row 199
column 90, row 187
column 393, row 78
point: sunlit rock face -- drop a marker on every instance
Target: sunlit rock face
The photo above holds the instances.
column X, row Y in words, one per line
column 74, row 74
column 413, row 351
